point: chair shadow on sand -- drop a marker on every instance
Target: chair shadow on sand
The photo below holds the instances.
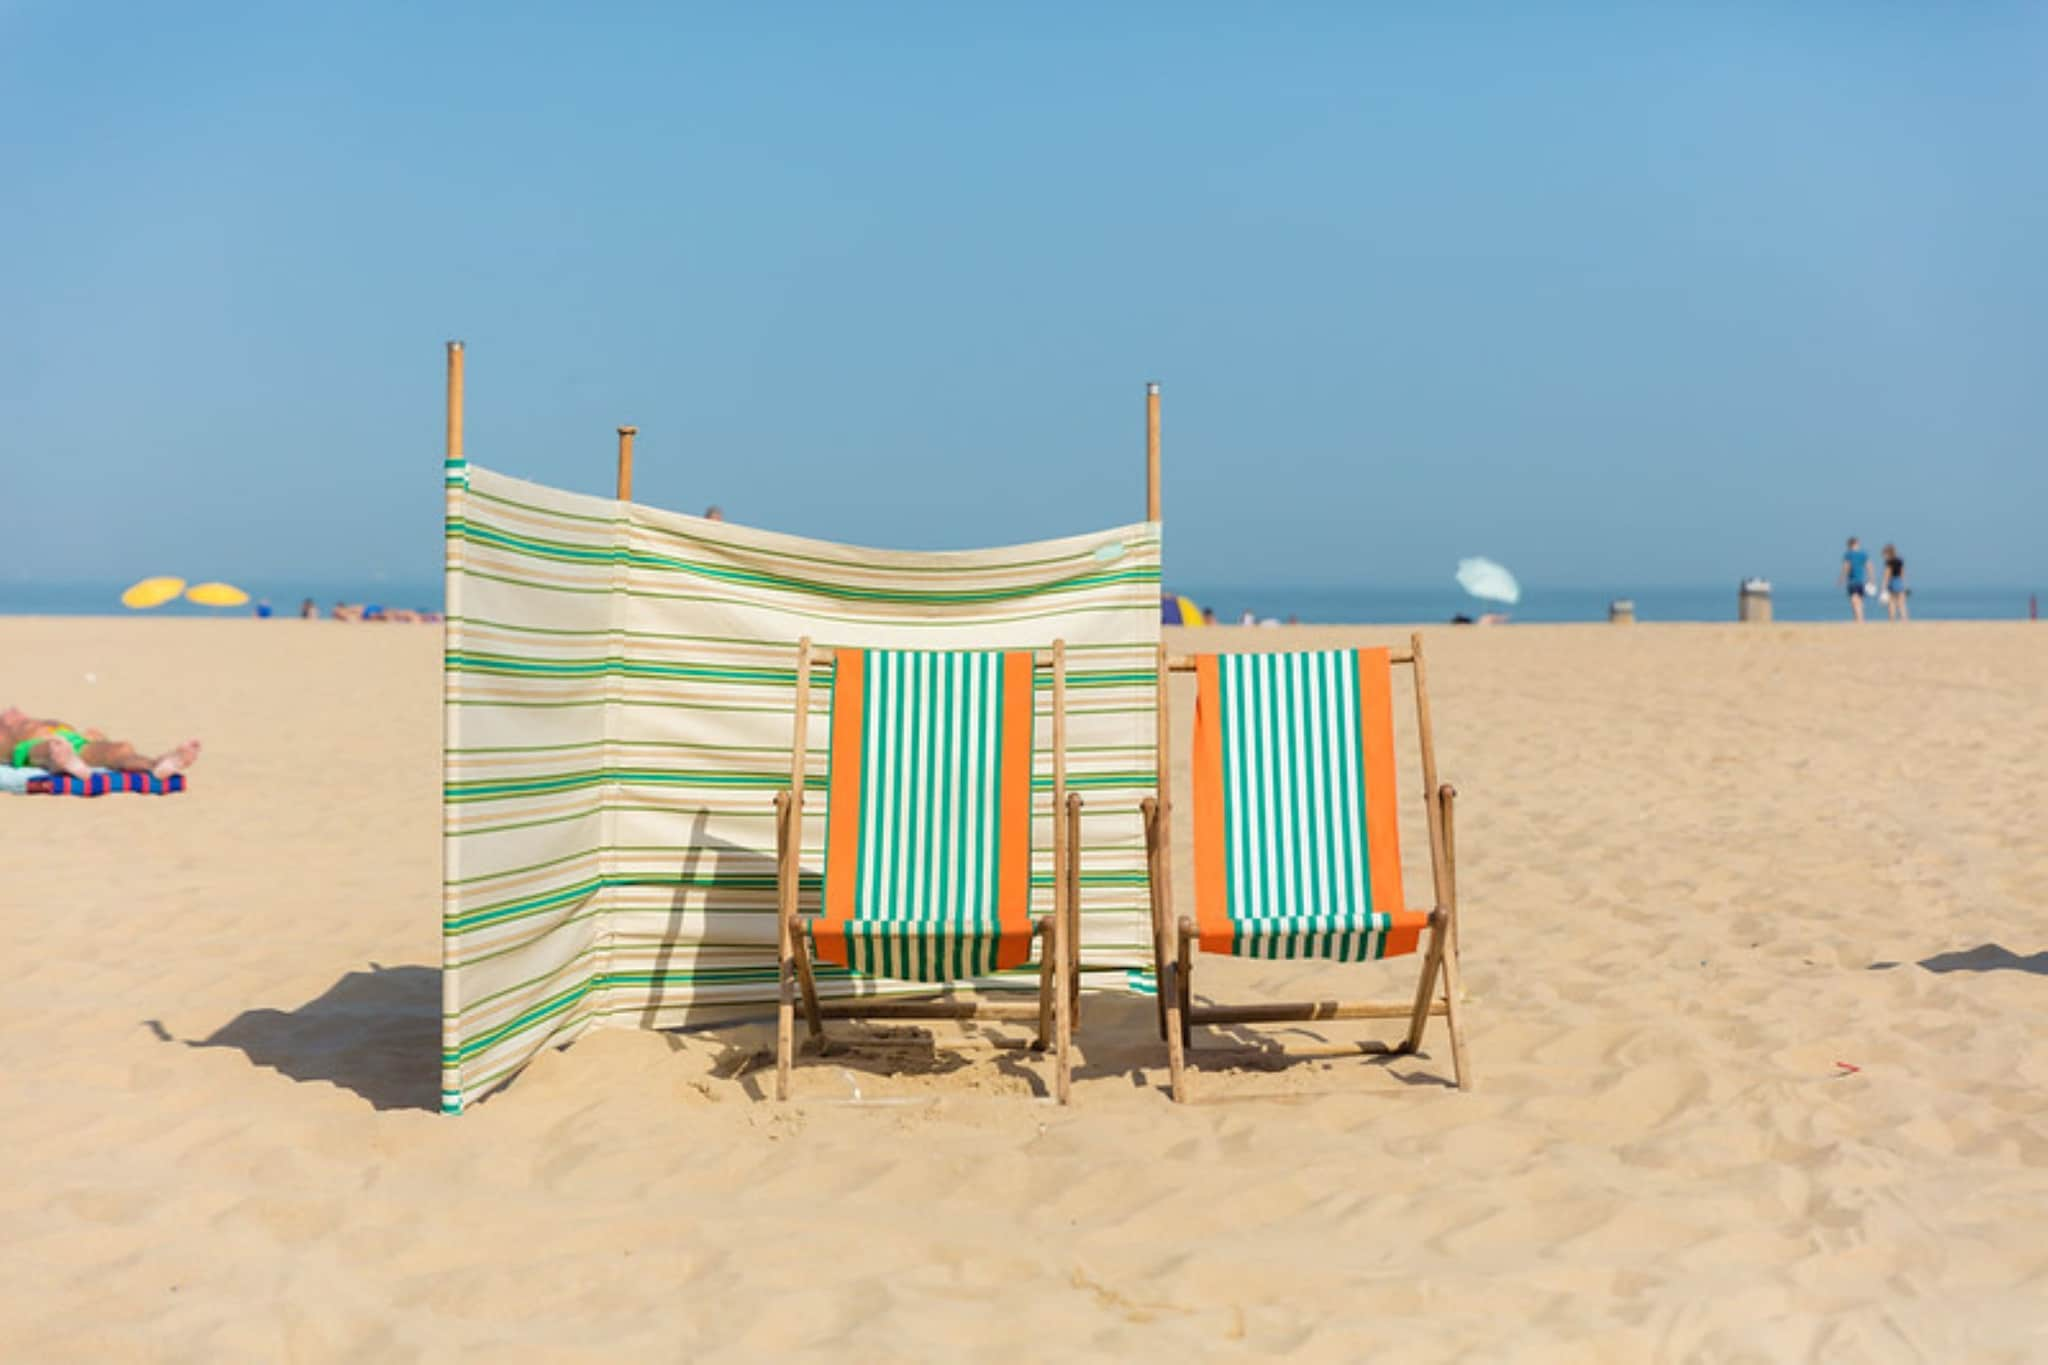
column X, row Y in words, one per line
column 1987, row 957
column 376, row 1033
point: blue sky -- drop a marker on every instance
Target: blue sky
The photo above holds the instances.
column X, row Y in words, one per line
column 1618, row 296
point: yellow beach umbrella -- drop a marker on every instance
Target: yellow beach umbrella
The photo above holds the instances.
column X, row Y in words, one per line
column 152, row 592
column 217, row 595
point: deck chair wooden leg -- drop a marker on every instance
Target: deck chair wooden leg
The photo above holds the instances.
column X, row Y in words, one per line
column 807, row 978
column 1045, row 984
column 1073, row 962
column 1063, row 1018
column 1172, row 1009
column 785, row 1022
column 1425, row 989
column 1155, row 880
column 1452, row 992
column 1186, row 983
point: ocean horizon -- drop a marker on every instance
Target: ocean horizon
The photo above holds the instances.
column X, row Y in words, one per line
column 1310, row 605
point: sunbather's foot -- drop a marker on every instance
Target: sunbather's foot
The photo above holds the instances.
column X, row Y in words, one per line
column 178, row 759
column 60, row 757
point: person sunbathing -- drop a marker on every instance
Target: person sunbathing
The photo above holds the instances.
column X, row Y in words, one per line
column 54, row 746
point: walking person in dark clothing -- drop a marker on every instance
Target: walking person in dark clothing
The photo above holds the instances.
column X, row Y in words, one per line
column 1895, row 584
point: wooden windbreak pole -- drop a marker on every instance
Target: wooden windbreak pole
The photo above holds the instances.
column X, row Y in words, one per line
column 1163, row 768
column 626, row 435
column 454, row 400
column 1152, row 452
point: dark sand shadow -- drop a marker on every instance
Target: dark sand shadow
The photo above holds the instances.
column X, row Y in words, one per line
column 376, row 1033
column 1989, row 957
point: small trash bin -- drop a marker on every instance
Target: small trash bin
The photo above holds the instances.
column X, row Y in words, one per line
column 1753, row 602
column 1621, row 611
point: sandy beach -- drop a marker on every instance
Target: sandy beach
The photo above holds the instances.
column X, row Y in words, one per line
column 1756, row 952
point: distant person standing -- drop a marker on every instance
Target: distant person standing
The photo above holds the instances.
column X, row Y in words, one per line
column 1895, row 584
column 308, row 610
column 1855, row 575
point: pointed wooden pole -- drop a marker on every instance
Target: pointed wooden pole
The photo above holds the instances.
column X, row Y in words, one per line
column 1152, row 452
column 626, row 435
column 454, row 400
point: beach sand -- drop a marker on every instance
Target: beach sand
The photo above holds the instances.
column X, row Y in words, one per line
column 1701, row 868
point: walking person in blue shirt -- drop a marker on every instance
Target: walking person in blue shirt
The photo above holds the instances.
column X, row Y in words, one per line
column 1855, row 575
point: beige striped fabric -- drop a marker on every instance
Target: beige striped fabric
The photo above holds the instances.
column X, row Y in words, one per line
column 620, row 693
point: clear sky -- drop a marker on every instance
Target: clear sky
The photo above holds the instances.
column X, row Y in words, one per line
column 1614, row 294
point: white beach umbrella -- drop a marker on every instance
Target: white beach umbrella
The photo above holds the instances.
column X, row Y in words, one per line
column 1484, row 578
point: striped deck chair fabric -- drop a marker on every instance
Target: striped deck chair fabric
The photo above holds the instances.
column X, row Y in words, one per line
column 1297, row 841
column 928, row 824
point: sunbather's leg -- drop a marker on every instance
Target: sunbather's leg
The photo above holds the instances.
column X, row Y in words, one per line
column 56, row 754
column 121, row 756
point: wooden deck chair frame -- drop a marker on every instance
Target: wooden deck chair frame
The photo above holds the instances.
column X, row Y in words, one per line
column 1057, row 1007
column 1177, row 942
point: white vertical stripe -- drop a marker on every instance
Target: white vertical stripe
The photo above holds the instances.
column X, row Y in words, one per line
column 1270, row 780
column 991, row 777
column 1284, row 781
column 1347, row 750
column 1248, row 762
column 872, row 815
column 1324, row 829
column 920, row 876
column 970, row 793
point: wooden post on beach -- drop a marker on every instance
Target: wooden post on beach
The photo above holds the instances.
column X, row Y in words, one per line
column 1152, row 452
column 454, row 400
column 1162, row 774
column 626, row 435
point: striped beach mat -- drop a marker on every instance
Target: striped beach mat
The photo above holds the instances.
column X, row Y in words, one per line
column 105, row 782
column 928, row 826
column 619, row 699
column 1297, row 834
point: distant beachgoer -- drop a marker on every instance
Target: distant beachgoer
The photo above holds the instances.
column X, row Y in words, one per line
column 1855, row 575
column 309, row 610
column 1250, row 618
column 348, row 611
column 57, row 747
column 714, row 513
column 1208, row 616
column 1895, row 583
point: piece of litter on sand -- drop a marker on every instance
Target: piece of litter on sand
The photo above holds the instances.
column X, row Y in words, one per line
column 851, row 1082
column 1848, row 1069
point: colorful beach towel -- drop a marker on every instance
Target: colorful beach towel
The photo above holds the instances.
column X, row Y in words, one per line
column 102, row 782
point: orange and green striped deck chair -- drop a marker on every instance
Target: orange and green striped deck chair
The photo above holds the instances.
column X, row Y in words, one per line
column 1297, row 845
column 928, row 828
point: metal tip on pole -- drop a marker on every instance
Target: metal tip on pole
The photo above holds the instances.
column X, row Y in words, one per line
column 454, row 345
column 629, row 431
column 1152, row 386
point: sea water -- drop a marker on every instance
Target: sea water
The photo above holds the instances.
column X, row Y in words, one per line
column 1314, row 605
column 1422, row 606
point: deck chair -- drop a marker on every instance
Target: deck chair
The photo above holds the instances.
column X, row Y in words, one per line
column 928, row 826
column 1297, row 841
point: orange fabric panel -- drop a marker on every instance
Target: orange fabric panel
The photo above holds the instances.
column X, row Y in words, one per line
column 1382, row 814
column 1212, row 885
column 842, row 816
column 1013, row 872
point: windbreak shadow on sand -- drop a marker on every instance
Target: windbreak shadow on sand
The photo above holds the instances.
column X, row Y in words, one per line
column 376, row 1033
column 1988, row 957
